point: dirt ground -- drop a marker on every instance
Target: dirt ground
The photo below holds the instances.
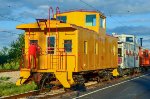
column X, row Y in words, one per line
column 14, row 75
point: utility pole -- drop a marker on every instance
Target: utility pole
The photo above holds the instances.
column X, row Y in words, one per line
column 141, row 41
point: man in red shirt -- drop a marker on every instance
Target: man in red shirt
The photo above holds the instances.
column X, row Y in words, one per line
column 32, row 54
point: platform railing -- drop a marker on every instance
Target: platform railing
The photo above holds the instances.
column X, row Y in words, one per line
column 57, row 61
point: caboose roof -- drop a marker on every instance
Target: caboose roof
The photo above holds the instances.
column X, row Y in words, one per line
column 44, row 25
column 83, row 10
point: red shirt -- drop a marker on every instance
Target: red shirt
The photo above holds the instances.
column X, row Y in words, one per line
column 32, row 49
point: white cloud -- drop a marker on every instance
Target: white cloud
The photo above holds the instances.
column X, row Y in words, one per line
column 139, row 31
column 112, row 7
column 43, row 7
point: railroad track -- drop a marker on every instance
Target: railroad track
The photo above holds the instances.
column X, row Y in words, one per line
column 1, row 71
column 60, row 92
column 29, row 94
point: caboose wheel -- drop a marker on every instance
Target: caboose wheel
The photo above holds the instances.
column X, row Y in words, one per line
column 120, row 71
column 79, row 79
column 98, row 79
column 43, row 85
column 67, row 89
column 45, row 82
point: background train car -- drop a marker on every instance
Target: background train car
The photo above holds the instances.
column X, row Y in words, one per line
column 70, row 49
column 128, row 50
column 144, row 58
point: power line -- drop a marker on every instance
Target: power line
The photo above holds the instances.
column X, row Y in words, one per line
column 10, row 32
column 89, row 5
column 11, row 19
column 117, row 20
column 101, row 12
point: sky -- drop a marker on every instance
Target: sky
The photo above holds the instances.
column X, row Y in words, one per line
column 123, row 16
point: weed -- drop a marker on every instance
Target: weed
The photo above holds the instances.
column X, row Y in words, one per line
column 8, row 88
column 4, row 78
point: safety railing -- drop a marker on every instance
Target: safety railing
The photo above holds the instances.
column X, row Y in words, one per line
column 57, row 61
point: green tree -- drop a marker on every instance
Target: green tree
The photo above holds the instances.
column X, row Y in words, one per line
column 15, row 51
column 3, row 56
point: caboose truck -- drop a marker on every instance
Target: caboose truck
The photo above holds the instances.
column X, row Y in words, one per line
column 128, row 50
column 71, row 48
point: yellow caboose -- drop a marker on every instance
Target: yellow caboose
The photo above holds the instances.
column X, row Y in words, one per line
column 69, row 48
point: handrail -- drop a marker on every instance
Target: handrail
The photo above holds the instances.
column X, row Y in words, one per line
column 62, row 62
column 57, row 11
column 49, row 10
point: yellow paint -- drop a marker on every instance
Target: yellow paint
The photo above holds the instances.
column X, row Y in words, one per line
column 79, row 18
column 77, row 60
column 24, row 75
column 105, row 57
column 115, row 72
column 65, row 78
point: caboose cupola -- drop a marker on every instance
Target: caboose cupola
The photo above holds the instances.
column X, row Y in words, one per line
column 92, row 20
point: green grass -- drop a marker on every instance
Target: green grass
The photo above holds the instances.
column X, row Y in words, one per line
column 8, row 88
column 4, row 78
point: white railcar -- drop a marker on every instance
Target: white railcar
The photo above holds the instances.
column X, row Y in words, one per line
column 128, row 50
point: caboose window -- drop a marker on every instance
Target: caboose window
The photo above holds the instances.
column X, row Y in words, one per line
column 68, row 45
column 96, row 48
column 90, row 20
column 85, row 47
column 119, row 52
column 102, row 22
column 50, row 45
column 34, row 41
column 62, row 18
column 129, row 39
